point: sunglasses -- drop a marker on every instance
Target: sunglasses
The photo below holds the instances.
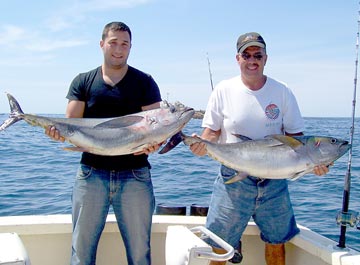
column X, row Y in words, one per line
column 257, row 56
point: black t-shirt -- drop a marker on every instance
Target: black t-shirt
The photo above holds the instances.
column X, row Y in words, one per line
column 135, row 90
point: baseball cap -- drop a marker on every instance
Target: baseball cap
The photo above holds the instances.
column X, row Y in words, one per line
column 250, row 39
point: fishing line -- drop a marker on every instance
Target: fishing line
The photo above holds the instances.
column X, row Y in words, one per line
column 346, row 217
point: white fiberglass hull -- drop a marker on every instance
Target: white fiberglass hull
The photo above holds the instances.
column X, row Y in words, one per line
column 47, row 240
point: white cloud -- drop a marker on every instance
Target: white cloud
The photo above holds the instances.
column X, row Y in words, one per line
column 26, row 60
column 11, row 33
column 64, row 19
column 51, row 45
column 20, row 39
column 58, row 23
column 74, row 14
column 95, row 5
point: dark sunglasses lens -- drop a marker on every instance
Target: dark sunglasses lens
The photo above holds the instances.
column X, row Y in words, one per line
column 258, row 56
column 245, row 56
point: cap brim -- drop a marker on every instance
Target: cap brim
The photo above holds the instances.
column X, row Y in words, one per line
column 252, row 43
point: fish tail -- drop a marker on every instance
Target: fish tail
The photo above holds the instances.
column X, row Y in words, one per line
column 189, row 140
column 238, row 177
column 16, row 113
column 172, row 142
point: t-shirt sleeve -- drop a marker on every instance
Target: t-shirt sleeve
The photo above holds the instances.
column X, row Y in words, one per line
column 292, row 120
column 151, row 92
column 213, row 115
column 76, row 89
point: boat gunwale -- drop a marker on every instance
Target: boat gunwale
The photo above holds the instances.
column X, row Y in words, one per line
column 307, row 240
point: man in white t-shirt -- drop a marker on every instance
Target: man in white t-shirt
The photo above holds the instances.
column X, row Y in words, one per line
column 254, row 105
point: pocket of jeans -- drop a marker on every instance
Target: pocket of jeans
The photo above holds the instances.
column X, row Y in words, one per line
column 227, row 172
column 84, row 172
column 142, row 174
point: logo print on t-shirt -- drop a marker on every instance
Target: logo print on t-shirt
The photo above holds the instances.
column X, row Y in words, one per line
column 272, row 111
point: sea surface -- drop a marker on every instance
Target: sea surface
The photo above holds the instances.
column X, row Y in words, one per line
column 36, row 177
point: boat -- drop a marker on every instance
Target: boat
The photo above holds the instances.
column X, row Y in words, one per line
column 46, row 240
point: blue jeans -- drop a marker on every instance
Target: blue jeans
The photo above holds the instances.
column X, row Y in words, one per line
column 131, row 195
column 267, row 201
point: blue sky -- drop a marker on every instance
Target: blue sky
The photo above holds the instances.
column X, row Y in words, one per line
column 311, row 47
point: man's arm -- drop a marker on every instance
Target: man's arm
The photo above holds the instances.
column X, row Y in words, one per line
column 75, row 109
column 151, row 106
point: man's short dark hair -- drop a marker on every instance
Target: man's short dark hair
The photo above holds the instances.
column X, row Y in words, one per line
column 115, row 26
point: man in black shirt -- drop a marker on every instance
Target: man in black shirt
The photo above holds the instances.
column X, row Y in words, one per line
column 113, row 89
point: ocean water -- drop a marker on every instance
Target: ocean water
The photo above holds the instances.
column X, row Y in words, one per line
column 36, row 177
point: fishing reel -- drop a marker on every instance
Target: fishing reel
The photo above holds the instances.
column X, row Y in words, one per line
column 350, row 218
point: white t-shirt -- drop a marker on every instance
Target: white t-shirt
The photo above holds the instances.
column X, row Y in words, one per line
column 235, row 109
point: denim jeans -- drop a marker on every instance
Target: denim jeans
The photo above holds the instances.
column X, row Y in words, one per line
column 131, row 195
column 267, row 201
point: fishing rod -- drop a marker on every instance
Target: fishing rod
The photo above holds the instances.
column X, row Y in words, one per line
column 346, row 217
column 212, row 86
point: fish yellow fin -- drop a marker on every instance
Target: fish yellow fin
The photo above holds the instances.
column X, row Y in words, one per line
column 297, row 175
column 75, row 149
column 288, row 140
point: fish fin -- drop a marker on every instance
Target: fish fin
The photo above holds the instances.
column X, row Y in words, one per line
column 136, row 149
column 15, row 113
column 297, row 175
column 124, row 121
column 75, row 149
column 238, row 177
column 172, row 142
column 243, row 138
column 14, row 105
column 9, row 122
column 189, row 140
column 288, row 140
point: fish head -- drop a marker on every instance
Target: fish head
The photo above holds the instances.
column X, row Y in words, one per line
column 175, row 115
column 167, row 120
column 325, row 150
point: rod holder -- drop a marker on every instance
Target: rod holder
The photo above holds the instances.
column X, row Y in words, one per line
column 349, row 218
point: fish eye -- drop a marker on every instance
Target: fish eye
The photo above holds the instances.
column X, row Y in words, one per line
column 333, row 141
column 172, row 108
column 152, row 120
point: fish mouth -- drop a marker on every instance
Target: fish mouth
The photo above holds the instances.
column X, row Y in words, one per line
column 346, row 143
column 186, row 111
column 344, row 147
column 186, row 115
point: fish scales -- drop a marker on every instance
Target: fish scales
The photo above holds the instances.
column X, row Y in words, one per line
column 111, row 136
column 270, row 158
column 276, row 156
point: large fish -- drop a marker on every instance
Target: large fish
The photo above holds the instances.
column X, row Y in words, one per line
column 112, row 136
column 274, row 157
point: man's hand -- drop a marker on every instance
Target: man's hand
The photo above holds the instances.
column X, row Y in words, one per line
column 151, row 148
column 198, row 149
column 321, row 170
column 54, row 134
